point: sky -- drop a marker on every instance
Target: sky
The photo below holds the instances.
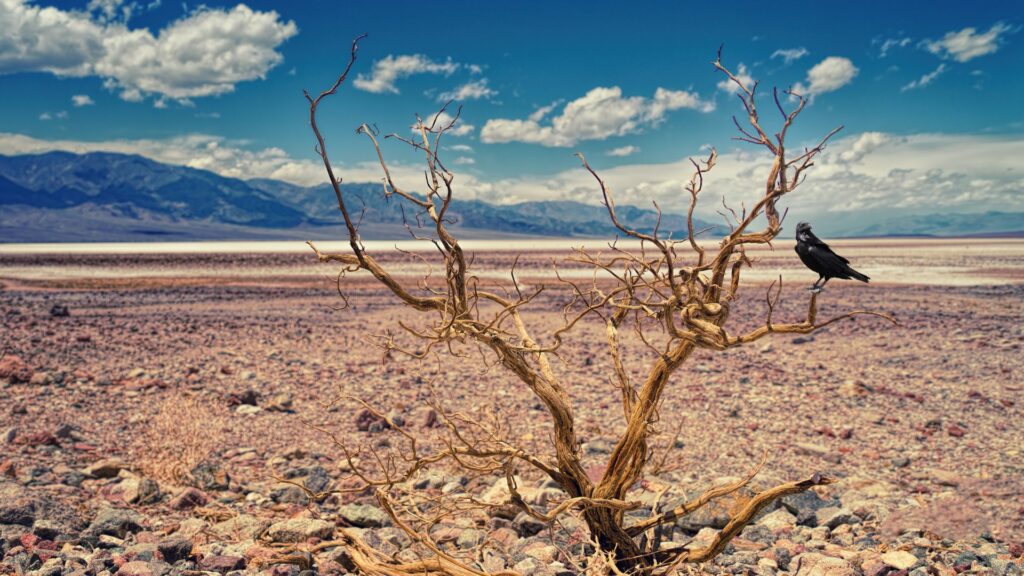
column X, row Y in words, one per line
column 928, row 94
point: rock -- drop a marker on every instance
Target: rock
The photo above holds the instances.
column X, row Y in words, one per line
column 396, row 417
column 106, row 468
column 17, row 506
column 542, row 551
column 148, row 492
column 527, row 525
column 175, row 548
column 59, row 311
column 117, row 522
column 9, row 435
column 210, row 476
column 241, row 527
column 221, row 564
column 813, row 564
column 247, row 409
column 300, row 530
column 470, row 539
column 364, row 515
column 279, row 403
column 778, row 519
column 136, row 568
column 40, row 379
column 289, row 495
column 367, row 421
column 13, row 369
column 189, row 498
column 529, row 566
column 852, row 389
column 783, row 557
column 833, row 517
column 899, row 559
column 945, row 478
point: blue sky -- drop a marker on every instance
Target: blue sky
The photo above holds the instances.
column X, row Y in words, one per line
column 928, row 92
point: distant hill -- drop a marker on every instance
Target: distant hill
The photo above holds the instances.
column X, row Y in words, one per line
column 958, row 224
column 65, row 197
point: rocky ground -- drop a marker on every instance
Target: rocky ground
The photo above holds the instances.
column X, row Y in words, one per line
column 147, row 423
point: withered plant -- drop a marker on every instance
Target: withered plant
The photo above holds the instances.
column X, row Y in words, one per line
column 674, row 295
column 177, row 438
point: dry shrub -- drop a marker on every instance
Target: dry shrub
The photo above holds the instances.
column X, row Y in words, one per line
column 182, row 433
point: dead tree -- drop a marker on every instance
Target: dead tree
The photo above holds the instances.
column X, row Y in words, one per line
column 675, row 295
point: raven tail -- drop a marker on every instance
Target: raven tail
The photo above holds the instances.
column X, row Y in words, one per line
column 858, row 276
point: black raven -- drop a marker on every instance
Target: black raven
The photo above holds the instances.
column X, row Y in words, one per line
column 817, row 256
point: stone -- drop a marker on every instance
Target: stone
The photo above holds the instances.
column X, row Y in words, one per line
column 470, row 539
column 211, row 476
column 279, row 403
column 813, row 564
column 221, row 564
column 300, row 530
column 364, row 515
column 14, row 370
column 834, row 517
column 527, row 525
column 59, row 311
column 778, row 519
column 117, row 522
column 899, row 559
column 529, row 566
column 542, row 551
column 241, row 527
column 189, row 498
column 175, row 548
column 136, row 568
column 106, row 468
column 946, row 478
column 16, row 505
column 40, row 379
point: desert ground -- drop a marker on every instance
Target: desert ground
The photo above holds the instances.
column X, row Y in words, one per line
column 153, row 399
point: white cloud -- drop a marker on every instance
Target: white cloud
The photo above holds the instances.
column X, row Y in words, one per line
column 599, row 114
column 742, row 74
column 205, row 53
column 61, row 115
column 79, row 100
column 854, row 149
column 889, row 43
column 790, row 55
column 829, row 75
column 968, row 44
column 473, row 90
column 465, row 161
column 623, row 151
column 393, row 68
column 926, row 79
column 461, row 148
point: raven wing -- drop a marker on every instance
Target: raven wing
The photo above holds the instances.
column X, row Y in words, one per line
column 816, row 244
column 826, row 262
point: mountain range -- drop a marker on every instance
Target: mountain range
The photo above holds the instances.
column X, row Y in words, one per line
column 66, row 197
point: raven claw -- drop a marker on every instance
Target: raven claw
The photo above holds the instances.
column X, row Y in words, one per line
column 816, row 289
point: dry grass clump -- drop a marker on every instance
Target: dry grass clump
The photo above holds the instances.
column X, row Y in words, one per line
column 183, row 432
